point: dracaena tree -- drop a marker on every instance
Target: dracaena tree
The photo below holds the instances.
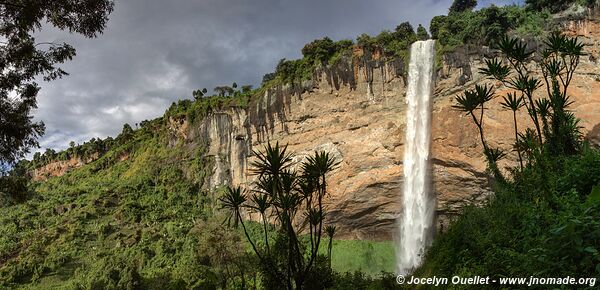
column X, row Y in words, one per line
column 555, row 129
column 473, row 103
column 291, row 201
column 330, row 231
column 514, row 103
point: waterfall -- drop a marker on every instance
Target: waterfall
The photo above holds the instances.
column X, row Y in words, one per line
column 418, row 203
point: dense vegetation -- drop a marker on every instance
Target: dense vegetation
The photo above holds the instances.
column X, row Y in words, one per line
column 544, row 220
column 139, row 215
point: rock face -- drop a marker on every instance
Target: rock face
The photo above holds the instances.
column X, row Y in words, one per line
column 359, row 116
column 59, row 168
column 356, row 111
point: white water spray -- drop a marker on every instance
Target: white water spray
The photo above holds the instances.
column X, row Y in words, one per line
column 418, row 202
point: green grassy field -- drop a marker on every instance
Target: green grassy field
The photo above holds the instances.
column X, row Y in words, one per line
column 369, row 257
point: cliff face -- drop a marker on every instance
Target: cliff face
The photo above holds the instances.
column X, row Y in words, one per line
column 358, row 115
column 356, row 111
column 59, row 168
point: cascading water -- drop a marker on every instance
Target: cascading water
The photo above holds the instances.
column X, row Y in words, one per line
column 418, row 202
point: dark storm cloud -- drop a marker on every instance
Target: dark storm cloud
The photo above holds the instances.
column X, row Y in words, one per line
column 154, row 52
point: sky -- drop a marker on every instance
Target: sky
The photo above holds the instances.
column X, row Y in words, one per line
column 154, row 52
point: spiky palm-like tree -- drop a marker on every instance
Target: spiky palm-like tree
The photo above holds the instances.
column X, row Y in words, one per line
column 234, row 200
column 284, row 193
column 316, row 168
column 261, row 204
column 472, row 100
column 469, row 102
column 561, row 58
column 514, row 103
column 556, row 128
column 543, row 108
column 517, row 55
column 527, row 143
column 330, row 231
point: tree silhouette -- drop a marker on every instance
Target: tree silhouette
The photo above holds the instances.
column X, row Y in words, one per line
column 22, row 59
column 285, row 193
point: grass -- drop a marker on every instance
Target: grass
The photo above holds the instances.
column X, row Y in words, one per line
column 369, row 257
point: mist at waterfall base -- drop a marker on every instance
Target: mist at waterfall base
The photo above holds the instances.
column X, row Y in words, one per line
column 416, row 227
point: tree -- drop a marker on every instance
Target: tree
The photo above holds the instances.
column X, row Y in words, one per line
column 220, row 90
column 404, row 31
column 557, row 131
column 198, row 94
column 462, row 5
column 285, row 193
column 511, row 102
column 223, row 91
column 246, row 89
column 495, row 23
column 223, row 251
column 22, row 59
column 472, row 100
column 422, row 33
column 126, row 133
column 319, row 50
column 437, row 23
column 330, row 231
column 469, row 102
column 268, row 77
column 365, row 41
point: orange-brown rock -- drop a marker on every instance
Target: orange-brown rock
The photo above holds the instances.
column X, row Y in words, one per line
column 365, row 131
column 60, row 167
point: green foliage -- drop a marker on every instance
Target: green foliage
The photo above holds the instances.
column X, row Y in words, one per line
column 487, row 25
column 318, row 53
column 22, row 59
column 594, row 197
column 556, row 126
column 462, row 5
column 422, row 33
column 294, row 71
column 320, row 50
column 358, row 280
column 120, row 223
column 326, row 53
column 392, row 44
column 544, row 223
